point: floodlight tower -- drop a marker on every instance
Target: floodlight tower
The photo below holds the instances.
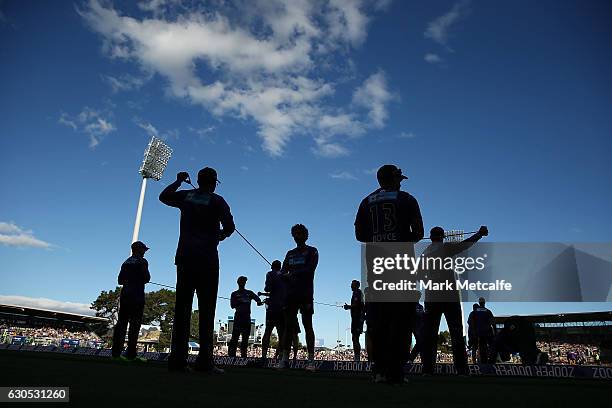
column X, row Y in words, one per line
column 155, row 160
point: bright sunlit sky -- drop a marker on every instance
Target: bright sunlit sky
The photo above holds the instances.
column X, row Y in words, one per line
column 498, row 112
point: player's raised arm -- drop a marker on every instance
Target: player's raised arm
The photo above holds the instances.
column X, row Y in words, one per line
column 457, row 248
column 169, row 195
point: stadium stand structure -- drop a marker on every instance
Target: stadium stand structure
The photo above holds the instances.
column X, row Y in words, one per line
column 33, row 317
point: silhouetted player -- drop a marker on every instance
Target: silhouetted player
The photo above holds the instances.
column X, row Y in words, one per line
column 197, row 263
column 472, row 337
column 357, row 316
column 298, row 269
column 241, row 302
column 133, row 276
column 445, row 302
column 389, row 215
column 484, row 329
column 417, row 330
column 275, row 290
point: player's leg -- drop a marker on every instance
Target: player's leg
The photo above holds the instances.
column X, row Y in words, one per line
column 307, row 310
column 289, row 316
column 182, row 317
column 483, row 349
column 134, row 330
column 265, row 340
column 233, row 343
column 296, row 343
column 433, row 314
column 356, row 346
column 280, row 331
column 454, row 319
column 245, row 332
column 120, row 328
column 207, row 287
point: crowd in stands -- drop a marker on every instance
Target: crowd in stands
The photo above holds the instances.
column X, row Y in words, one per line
column 574, row 354
column 558, row 353
column 46, row 335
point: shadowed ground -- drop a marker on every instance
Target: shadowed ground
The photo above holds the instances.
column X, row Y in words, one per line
column 96, row 381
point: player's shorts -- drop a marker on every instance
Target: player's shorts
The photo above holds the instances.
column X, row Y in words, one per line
column 356, row 326
column 305, row 306
column 274, row 317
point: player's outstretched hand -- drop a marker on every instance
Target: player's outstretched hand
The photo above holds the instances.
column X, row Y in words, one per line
column 484, row 231
column 182, row 176
column 346, row 307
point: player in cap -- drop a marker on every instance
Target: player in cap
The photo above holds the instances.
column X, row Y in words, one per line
column 133, row 276
column 203, row 213
column 357, row 317
column 389, row 215
column 240, row 301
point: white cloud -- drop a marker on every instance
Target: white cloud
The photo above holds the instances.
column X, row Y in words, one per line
column 406, row 135
column 330, row 150
column 125, row 82
column 432, row 58
column 258, row 60
column 47, row 304
column 438, row 29
column 149, row 128
column 374, row 96
column 13, row 235
column 95, row 124
column 343, row 175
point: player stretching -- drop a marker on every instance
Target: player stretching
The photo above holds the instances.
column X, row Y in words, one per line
column 356, row 308
column 298, row 270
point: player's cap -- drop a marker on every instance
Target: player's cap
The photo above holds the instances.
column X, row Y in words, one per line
column 207, row 173
column 481, row 300
column 242, row 279
column 139, row 245
column 389, row 172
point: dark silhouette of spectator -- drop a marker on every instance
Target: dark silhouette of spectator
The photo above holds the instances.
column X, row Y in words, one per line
column 197, row 263
column 240, row 301
column 357, row 317
column 518, row 335
column 445, row 302
column 472, row 337
column 133, row 276
column 298, row 271
column 389, row 215
column 484, row 329
column 274, row 288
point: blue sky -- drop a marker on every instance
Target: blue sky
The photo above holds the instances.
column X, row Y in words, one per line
column 498, row 113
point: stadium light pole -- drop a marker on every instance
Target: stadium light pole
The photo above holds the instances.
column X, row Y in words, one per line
column 155, row 160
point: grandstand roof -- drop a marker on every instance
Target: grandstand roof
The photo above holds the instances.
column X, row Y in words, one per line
column 23, row 311
column 563, row 317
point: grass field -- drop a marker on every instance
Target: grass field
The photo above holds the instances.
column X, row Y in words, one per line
column 95, row 381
